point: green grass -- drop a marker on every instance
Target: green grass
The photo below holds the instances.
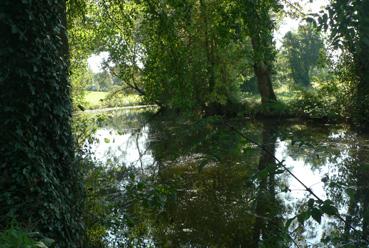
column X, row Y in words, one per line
column 284, row 94
column 94, row 98
column 99, row 99
column 316, row 103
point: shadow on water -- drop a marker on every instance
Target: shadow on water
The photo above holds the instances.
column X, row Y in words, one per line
column 166, row 182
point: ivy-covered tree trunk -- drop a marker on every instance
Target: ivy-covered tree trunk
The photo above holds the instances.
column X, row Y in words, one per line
column 38, row 186
column 362, row 66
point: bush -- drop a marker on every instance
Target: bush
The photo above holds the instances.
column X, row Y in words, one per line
column 15, row 237
column 324, row 101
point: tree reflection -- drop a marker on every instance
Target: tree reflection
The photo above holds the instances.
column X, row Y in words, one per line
column 223, row 198
column 206, row 186
column 351, row 190
column 268, row 228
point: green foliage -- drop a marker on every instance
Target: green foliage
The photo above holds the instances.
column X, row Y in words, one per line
column 80, row 37
column 15, row 237
column 39, row 186
column 178, row 54
column 259, row 26
column 117, row 99
column 313, row 209
column 326, row 101
column 349, row 25
column 98, row 99
column 303, row 50
column 80, row 78
column 274, row 109
column 103, row 81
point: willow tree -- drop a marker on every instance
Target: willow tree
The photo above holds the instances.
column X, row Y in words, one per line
column 303, row 49
column 38, row 186
column 257, row 17
column 181, row 54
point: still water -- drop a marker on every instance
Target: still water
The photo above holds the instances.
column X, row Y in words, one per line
column 168, row 181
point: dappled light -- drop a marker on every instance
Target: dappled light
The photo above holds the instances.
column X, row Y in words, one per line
column 184, row 123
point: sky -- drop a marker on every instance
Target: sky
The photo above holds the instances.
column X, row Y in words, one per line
column 288, row 24
column 96, row 60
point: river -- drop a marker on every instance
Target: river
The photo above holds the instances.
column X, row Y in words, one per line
column 169, row 181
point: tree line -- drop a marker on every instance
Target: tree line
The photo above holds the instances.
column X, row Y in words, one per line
column 180, row 54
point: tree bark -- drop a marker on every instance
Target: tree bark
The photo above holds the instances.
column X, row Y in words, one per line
column 262, row 45
column 209, row 46
column 39, row 185
column 264, row 81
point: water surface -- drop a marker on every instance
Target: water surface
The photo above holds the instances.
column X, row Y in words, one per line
column 177, row 182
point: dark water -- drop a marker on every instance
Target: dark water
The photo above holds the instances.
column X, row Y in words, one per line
column 166, row 181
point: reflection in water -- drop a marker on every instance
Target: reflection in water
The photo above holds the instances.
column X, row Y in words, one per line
column 199, row 184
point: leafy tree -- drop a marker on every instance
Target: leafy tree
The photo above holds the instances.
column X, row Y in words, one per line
column 81, row 77
column 303, row 50
column 103, row 80
column 189, row 54
column 257, row 17
column 80, row 37
column 39, row 186
column 179, row 54
column 349, row 24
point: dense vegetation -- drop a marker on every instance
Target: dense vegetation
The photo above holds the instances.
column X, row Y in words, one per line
column 201, row 56
column 197, row 58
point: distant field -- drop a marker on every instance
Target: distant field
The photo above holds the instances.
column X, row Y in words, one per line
column 98, row 99
column 94, row 98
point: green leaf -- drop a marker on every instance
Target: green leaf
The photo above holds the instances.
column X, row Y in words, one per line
column 40, row 244
column 316, row 214
column 328, row 208
column 302, row 217
column 288, row 222
column 311, row 203
column 280, row 171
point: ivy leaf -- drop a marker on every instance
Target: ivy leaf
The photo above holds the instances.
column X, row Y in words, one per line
column 311, row 203
column 316, row 214
column 280, row 171
column 40, row 244
column 302, row 217
column 328, row 208
column 288, row 223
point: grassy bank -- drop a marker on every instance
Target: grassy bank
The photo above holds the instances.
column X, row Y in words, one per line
column 99, row 99
column 323, row 103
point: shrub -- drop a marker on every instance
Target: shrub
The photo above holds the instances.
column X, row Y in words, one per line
column 15, row 237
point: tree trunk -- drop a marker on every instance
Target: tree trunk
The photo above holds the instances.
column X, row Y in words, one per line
column 362, row 68
column 261, row 42
column 264, row 81
column 39, row 185
column 209, row 46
